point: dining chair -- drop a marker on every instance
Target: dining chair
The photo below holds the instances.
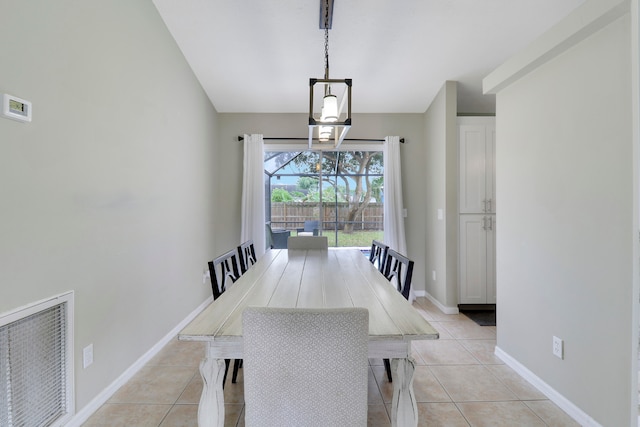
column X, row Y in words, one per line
column 305, row 367
column 246, row 256
column 224, row 271
column 308, row 242
column 398, row 270
column 378, row 254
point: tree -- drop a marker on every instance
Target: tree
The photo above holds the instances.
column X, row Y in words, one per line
column 354, row 169
column 280, row 195
column 307, row 183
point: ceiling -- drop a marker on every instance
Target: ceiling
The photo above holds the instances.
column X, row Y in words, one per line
column 256, row 56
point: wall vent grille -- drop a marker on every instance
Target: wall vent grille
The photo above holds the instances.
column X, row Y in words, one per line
column 36, row 364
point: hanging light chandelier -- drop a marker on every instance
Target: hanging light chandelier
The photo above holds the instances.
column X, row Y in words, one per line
column 335, row 116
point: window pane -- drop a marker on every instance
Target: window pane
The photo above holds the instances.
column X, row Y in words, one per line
column 349, row 199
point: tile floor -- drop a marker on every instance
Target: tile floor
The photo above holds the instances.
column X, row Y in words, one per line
column 458, row 382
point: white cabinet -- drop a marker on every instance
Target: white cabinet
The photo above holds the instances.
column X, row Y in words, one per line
column 477, row 168
column 477, row 207
column 477, row 259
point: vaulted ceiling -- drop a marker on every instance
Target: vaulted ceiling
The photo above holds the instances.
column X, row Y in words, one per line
column 258, row 55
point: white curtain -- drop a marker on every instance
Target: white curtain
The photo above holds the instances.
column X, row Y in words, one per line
column 393, row 207
column 253, row 209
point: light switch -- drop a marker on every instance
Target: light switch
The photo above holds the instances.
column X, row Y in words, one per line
column 440, row 214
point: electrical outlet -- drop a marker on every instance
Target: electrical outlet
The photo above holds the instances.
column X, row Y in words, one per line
column 206, row 275
column 87, row 356
column 558, row 347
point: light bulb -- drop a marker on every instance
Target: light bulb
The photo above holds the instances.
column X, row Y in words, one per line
column 324, row 133
column 329, row 108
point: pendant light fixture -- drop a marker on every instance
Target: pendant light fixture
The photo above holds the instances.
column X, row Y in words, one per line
column 329, row 124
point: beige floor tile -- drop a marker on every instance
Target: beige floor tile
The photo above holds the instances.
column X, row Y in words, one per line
column 234, row 393
column 516, row 383
column 445, row 352
column 466, row 329
column 127, row 415
column 499, row 414
column 483, row 350
column 458, row 381
column 374, row 396
column 377, row 416
column 192, row 392
column 440, row 415
column 234, row 415
column 444, row 334
column 471, row 383
column 427, row 388
column 385, row 387
column 415, row 355
column 155, row 384
column 183, row 353
column 182, row 416
column 551, row 414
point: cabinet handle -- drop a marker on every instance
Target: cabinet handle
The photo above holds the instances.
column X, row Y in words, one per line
column 484, row 223
column 484, row 205
column 490, row 223
column 489, row 202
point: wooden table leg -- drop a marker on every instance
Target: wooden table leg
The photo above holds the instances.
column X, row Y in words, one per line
column 404, row 409
column 211, row 408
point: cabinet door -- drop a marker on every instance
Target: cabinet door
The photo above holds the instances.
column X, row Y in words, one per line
column 473, row 259
column 473, row 167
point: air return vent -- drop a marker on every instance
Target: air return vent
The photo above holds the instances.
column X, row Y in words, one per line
column 36, row 364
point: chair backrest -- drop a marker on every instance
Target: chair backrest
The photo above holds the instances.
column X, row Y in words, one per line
column 378, row 254
column 246, row 256
column 223, row 271
column 399, row 269
column 308, row 242
column 312, row 226
column 305, row 367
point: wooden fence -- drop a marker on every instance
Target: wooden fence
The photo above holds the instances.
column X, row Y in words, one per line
column 291, row 215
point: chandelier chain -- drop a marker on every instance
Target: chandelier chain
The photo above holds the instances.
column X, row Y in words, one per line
column 327, row 88
column 326, row 40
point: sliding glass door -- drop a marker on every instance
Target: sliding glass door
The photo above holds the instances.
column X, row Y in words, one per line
column 338, row 194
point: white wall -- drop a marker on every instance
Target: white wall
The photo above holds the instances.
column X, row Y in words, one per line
column 109, row 191
column 567, row 246
column 441, row 184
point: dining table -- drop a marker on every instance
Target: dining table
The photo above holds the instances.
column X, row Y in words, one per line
column 333, row 278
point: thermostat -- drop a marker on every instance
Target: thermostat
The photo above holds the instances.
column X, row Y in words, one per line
column 16, row 108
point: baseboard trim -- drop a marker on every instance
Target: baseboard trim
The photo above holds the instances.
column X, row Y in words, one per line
column 565, row 404
column 83, row 415
column 445, row 309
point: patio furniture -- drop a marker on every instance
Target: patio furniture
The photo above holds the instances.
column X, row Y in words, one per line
column 310, row 228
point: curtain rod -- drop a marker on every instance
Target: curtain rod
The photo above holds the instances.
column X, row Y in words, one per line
column 241, row 138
